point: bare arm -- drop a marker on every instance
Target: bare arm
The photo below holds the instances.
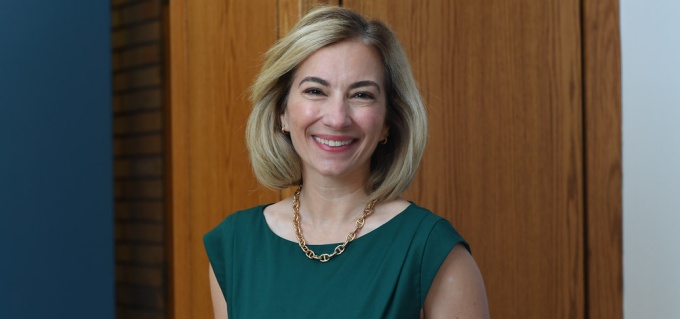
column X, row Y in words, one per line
column 457, row 290
column 219, row 304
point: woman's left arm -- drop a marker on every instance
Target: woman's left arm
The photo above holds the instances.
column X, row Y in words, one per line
column 457, row 290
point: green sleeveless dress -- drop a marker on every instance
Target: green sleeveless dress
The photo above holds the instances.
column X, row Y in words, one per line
column 383, row 274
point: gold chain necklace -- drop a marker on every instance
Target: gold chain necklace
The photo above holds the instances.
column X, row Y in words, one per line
column 340, row 248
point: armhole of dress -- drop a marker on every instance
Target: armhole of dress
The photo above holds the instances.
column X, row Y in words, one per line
column 449, row 238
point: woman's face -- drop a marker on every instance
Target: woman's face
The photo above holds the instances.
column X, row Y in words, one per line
column 336, row 108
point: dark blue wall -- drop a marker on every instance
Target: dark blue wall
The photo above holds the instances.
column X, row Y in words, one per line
column 56, row 215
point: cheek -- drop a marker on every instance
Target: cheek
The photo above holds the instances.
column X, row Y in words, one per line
column 303, row 115
column 376, row 121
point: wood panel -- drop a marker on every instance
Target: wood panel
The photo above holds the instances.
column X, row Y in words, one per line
column 290, row 11
column 214, row 50
column 502, row 81
column 602, row 111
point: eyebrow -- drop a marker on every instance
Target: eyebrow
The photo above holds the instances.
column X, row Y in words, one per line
column 364, row 83
column 315, row 80
column 353, row 86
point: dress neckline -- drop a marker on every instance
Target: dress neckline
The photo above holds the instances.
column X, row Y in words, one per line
column 372, row 233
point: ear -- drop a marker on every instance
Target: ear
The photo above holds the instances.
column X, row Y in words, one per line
column 385, row 133
column 284, row 121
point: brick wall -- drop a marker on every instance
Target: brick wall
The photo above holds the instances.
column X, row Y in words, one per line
column 138, row 122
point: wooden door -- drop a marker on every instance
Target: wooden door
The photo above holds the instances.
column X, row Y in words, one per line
column 515, row 123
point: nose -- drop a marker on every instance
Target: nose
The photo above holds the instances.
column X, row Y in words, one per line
column 337, row 113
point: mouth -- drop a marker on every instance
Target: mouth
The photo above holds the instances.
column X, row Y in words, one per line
column 333, row 143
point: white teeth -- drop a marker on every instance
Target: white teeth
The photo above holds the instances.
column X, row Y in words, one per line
column 332, row 143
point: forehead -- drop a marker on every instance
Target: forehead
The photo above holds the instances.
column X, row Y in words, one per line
column 343, row 61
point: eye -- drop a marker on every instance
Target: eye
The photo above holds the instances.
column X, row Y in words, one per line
column 313, row 91
column 364, row 96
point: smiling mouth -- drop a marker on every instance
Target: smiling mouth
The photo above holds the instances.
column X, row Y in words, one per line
column 333, row 143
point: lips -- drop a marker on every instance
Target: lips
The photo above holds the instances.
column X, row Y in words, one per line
column 333, row 143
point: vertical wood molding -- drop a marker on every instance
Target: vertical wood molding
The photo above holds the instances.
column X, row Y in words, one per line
column 177, row 199
column 602, row 109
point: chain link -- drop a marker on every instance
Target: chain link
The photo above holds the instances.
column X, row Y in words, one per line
column 340, row 248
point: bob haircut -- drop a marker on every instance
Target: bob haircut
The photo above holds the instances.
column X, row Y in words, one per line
column 394, row 164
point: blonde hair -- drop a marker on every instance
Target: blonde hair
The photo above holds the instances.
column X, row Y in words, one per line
column 393, row 165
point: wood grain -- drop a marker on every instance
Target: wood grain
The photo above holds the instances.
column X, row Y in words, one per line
column 290, row 11
column 502, row 81
column 214, row 50
column 602, row 110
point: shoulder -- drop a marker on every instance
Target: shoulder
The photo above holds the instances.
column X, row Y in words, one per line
column 245, row 216
column 219, row 241
column 427, row 216
column 436, row 230
column 452, row 282
column 249, row 213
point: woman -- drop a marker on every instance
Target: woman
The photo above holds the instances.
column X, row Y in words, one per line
column 338, row 115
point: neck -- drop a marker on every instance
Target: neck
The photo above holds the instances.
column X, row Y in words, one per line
column 323, row 203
